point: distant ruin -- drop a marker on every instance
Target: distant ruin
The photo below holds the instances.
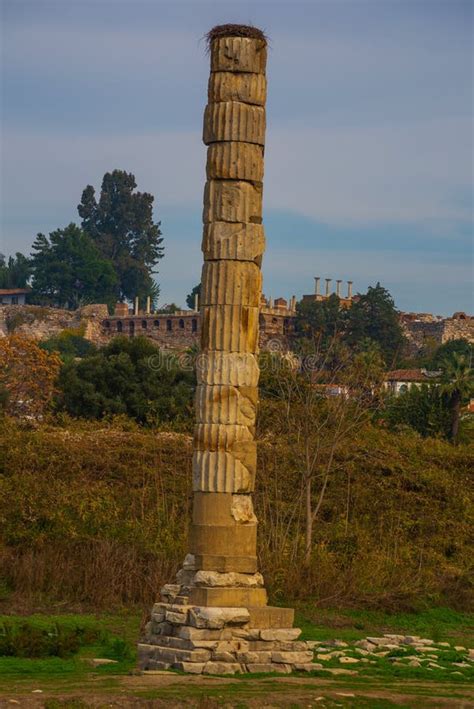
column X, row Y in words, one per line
column 180, row 330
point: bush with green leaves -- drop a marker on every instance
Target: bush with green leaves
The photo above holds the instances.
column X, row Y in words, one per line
column 69, row 344
column 424, row 409
column 131, row 377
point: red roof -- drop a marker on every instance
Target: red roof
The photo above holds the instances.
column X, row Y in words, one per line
column 407, row 375
column 14, row 291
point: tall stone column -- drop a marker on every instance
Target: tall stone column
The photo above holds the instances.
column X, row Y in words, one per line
column 224, row 529
column 215, row 618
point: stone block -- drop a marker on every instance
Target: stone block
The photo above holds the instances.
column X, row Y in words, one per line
column 271, row 617
column 223, row 540
column 292, row 657
column 169, row 591
column 307, row 666
column 246, row 633
column 222, row 668
column 194, row 668
column 283, row 634
column 216, row 579
column 219, row 471
column 149, row 666
column 294, row 646
column 218, row 618
column 227, row 369
column 226, row 437
column 211, row 562
column 238, row 597
column 162, row 628
column 231, row 86
column 235, row 161
column 234, row 645
column 226, row 405
column 233, row 241
column 232, row 201
column 158, row 612
column 268, row 667
column 207, row 644
column 218, row 656
column 222, row 509
column 184, row 578
column 234, row 121
column 231, row 283
column 253, row 657
column 194, row 634
column 176, row 618
column 229, row 328
column 171, row 655
column 239, row 54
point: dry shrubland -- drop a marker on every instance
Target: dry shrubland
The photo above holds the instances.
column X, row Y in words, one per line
column 96, row 515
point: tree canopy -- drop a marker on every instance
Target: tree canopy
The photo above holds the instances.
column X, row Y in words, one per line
column 322, row 320
column 121, row 225
column 191, row 297
column 373, row 316
column 15, row 272
column 68, row 270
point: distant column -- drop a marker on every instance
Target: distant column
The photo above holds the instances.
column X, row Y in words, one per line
column 148, row 305
column 196, row 302
column 316, row 284
column 136, row 306
column 328, row 281
column 338, row 288
column 349, row 289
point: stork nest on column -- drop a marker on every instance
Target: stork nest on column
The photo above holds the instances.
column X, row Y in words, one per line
column 234, row 31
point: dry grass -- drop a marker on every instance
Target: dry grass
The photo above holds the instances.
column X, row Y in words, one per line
column 99, row 517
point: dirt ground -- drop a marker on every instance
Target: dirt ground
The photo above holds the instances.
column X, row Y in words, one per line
column 173, row 690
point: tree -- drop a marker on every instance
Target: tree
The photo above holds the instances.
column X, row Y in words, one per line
column 374, row 316
column 69, row 271
column 313, row 422
column 320, row 320
column 424, row 409
column 191, row 297
column 128, row 376
column 27, row 377
column 457, row 382
column 447, row 349
column 121, row 225
column 15, row 272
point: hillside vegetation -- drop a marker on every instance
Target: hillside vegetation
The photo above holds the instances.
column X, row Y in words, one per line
column 95, row 515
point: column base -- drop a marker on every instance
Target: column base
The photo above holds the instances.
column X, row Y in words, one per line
column 223, row 640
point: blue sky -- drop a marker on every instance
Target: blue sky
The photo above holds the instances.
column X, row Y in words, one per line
column 369, row 160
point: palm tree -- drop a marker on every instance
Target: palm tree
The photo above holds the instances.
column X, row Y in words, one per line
column 457, row 382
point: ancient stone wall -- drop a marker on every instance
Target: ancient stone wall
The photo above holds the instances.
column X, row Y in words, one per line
column 41, row 323
column 420, row 332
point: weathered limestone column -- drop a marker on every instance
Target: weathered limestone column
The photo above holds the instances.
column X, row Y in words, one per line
column 224, row 529
column 215, row 618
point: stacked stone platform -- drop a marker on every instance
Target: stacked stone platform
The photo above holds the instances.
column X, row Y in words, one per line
column 215, row 619
column 221, row 640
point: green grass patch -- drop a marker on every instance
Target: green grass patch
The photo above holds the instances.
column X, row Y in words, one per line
column 438, row 624
column 41, row 646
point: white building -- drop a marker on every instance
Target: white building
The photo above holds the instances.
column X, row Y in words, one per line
column 13, row 296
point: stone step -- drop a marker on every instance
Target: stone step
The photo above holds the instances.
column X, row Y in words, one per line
column 163, row 653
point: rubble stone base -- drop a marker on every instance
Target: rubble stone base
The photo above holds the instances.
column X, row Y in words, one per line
column 217, row 640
